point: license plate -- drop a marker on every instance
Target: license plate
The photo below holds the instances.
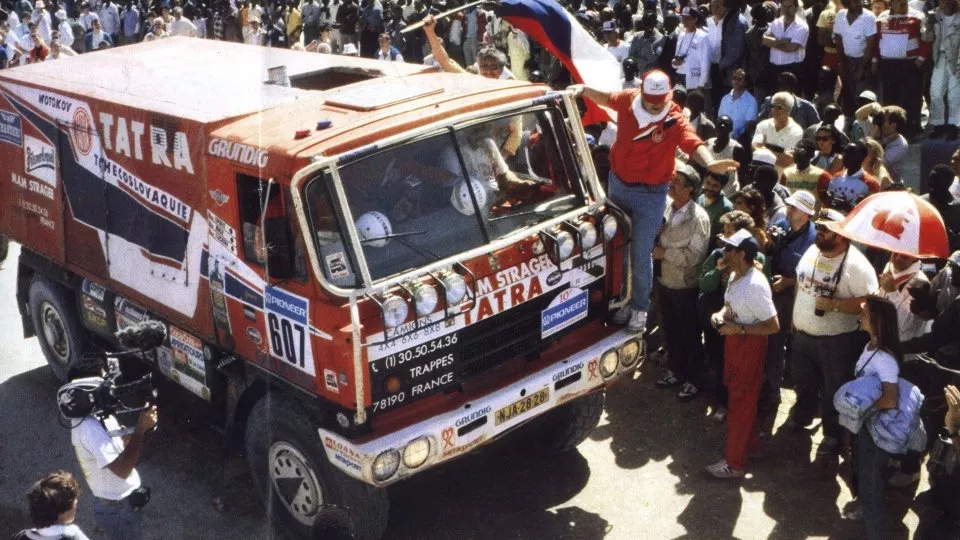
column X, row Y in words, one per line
column 521, row 406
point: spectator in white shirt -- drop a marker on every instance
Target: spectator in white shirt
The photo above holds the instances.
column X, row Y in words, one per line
column 779, row 133
column 182, row 26
column 42, row 18
column 63, row 26
column 254, row 34
column 110, row 19
column 692, row 56
column 855, row 34
column 158, row 30
column 387, row 51
column 86, row 17
column 787, row 39
column 614, row 45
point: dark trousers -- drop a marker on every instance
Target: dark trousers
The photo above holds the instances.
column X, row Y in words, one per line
column 310, row 33
column 718, row 89
column 369, row 43
column 678, row 308
column 855, row 76
column 902, row 84
column 821, row 365
column 775, row 361
column 870, row 465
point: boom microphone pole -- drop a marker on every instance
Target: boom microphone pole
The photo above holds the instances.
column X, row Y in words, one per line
column 447, row 13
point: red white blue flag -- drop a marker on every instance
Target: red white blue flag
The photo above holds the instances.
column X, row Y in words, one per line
column 556, row 30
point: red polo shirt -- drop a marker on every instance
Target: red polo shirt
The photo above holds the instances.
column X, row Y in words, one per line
column 651, row 158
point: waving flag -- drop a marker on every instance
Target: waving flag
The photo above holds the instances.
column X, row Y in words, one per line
column 555, row 29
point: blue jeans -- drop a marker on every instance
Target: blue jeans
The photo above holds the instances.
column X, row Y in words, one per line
column 870, row 464
column 645, row 204
column 117, row 519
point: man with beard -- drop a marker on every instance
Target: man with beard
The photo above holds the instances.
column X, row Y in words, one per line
column 833, row 279
column 714, row 202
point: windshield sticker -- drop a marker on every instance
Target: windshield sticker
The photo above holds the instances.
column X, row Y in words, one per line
column 222, row 232
column 566, row 309
column 287, row 316
column 337, row 265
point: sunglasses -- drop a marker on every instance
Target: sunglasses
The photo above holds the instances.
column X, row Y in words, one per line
column 824, row 139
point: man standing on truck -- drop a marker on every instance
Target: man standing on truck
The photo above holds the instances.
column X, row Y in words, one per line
column 650, row 129
column 108, row 462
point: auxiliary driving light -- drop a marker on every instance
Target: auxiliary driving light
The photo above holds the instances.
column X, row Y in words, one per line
column 456, row 287
column 565, row 245
column 588, row 234
column 608, row 363
column 416, row 453
column 392, row 384
column 609, row 227
column 425, row 299
column 395, row 311
column 386, row 465
column 630, row 353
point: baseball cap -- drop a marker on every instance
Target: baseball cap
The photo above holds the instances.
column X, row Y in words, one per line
column 656, row 87
column 869, row 95
column 609, row 26
column 693, row 177
column 689, row 11
column 762, row 155
column 743, row 240
column 829, row 215
column 803, row 201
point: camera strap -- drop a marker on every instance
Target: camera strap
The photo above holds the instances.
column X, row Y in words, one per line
column 836, row 276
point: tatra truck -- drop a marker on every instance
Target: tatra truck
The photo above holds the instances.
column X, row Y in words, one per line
column 365, row 269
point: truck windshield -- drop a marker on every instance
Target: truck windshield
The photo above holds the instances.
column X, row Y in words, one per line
column 431, row 198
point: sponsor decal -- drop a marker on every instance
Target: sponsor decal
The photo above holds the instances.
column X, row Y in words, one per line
column 40, row 160
column 570, row 370
column 219, row 197
column 254, row 335
column 566, row 309
column 448, row 453
column 94, row 314
column 337, row 265
column 189, row 366
column 165, row 360
column 170, row 152
column 287, row 326
column 82, row 131
column 449, row 437
column 55, row 102
column 330, row 381
column 32, row 186
column 477, row 414
column 239, row 153
column 222, row 232
column 554, row 278
column 343, row 453
column 592, row 369
column 11, row 128
column 574, row 395
column 94, row 289
column 127, row 313
column 147, row 193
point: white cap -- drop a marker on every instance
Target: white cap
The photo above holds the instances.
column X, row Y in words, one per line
column 803, row 201
column 762, row 155
column 656, row 86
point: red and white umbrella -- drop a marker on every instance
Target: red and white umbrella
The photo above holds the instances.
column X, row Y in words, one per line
column 897, row 221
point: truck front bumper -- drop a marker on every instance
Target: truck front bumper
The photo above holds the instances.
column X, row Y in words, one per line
column 446, row 436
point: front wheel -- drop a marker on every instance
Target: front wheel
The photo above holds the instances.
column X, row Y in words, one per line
column 62, row 338
column 297, row 483
column 565, row 427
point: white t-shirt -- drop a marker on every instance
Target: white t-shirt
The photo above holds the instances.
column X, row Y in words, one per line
column 855, row 35
column 715, row 37
column 748, row 299
column 877, row 363
column 95, row 450
column 797, row 33
column 816, row 276
column 183, row 27
column 620, row 51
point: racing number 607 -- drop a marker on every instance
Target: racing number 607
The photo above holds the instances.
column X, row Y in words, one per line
column 283, row 342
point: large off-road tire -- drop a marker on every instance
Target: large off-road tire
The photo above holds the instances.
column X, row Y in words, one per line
column 294, row 478
column 55, row 318
column 564, row 428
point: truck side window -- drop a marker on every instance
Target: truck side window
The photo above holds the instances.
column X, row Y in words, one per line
column 251, row 192
column 336, row 263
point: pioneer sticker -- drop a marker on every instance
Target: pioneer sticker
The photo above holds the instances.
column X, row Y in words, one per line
column 11, row 128
column 40, row 160
column 288, row 328
column 566, row 309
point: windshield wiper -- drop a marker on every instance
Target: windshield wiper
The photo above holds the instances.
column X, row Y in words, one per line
column 542, row 209
column 389, row 236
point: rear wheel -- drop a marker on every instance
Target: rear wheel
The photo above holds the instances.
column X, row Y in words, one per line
column 564, row 428
column 297, row 483
column 61, row 337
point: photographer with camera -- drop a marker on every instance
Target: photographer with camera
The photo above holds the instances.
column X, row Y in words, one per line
column 833, row 278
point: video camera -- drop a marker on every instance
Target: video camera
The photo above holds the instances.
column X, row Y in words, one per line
column 105, row 395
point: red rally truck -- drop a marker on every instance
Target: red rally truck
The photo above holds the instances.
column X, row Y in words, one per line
column 365, row 268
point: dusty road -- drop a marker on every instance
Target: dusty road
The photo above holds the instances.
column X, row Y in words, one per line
column 639, row 475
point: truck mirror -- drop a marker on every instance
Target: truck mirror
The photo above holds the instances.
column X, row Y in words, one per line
column 279, row 248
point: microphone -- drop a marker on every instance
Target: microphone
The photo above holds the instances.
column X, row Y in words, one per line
column 142, row 336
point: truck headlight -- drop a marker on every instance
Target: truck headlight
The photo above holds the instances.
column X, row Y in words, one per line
column 416, row 453
column 424, row 299
column 386, row 465
column 610, row 226
column 608, row 363
column 456, row 287
column 588, row 234
column 395, row 311
column 630, row 353
column 565, row 245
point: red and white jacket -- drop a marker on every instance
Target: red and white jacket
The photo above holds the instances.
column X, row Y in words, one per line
column 899, row 36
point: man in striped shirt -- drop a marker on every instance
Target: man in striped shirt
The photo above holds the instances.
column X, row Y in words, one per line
column 902, row 54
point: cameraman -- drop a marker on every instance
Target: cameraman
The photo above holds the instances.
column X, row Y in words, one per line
column 108, row 462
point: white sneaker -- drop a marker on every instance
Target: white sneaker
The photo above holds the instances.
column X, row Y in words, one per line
column 622, row 316
column 638, row 322
column 720, row 469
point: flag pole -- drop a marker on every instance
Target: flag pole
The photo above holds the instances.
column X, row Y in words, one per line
column 447, row 13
